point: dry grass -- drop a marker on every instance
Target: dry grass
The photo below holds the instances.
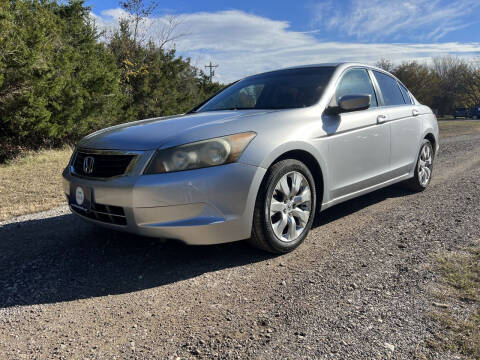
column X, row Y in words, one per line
column 458, row 127
column 459, row 318
column 32, row 183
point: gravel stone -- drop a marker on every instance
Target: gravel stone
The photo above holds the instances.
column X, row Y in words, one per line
column 358, row 288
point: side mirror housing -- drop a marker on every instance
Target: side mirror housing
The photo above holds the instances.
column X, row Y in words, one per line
column 354, row 103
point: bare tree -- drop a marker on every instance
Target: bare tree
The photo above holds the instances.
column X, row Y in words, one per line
column 162, row 32
column 138, row 12
column 385, row 64
column 167, row 31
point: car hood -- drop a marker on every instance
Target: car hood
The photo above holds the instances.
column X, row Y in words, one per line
column 153, row 133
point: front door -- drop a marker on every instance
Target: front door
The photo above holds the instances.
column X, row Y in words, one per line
column 358, row 141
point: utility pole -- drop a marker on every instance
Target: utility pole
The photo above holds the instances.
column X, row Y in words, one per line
column 211, row 67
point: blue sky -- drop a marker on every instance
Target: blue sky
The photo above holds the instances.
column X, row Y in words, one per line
column 248, row 36
column 297, row 14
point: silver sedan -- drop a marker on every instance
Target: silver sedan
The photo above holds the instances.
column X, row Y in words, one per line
column 257, row 161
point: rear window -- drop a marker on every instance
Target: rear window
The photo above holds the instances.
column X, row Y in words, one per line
column 405, row 94
column 390, row 89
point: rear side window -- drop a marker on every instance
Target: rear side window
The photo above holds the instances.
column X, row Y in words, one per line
column 356, row 82
column 406, row 97
column 390, row 89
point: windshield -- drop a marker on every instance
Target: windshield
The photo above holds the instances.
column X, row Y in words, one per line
column 283, row 89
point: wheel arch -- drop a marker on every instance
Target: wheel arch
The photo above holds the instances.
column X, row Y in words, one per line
column 430, row 137
column 312, row 162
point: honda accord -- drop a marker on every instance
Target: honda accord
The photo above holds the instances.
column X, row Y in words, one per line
column 259, row 160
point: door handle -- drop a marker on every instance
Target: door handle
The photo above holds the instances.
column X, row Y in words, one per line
column 415, row 112
column 381, row 119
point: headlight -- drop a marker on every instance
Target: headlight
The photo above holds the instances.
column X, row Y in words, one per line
column 211, row 152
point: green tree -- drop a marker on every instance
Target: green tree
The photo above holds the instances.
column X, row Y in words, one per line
column 471, row 83
column 58, row 81
column 419, row 79
column 156, row 82
column 453, row 74
column 60, row 78
column 445, row 84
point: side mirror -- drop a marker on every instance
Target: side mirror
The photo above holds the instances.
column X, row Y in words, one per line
column 354, row 103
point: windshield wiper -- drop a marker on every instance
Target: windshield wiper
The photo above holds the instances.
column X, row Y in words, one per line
column 232, row 108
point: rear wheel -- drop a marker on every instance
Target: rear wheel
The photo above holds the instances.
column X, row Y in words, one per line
column 423, row 169
column 285, row 207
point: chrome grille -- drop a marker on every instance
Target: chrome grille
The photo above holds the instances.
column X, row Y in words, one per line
column 105, row 213
column 105, row 165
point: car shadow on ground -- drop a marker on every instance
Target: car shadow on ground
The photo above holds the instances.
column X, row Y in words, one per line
column 63, row 258
column 352, row 206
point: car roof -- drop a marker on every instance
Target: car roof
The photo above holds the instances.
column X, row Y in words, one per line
column 337, row 65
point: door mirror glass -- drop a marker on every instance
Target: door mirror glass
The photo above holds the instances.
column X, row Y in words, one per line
column 354, row 102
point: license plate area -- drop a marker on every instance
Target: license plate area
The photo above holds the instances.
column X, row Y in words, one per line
column 80, row 197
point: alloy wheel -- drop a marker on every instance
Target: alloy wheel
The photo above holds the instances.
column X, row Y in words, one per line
column 290, row 206
column 425, row 164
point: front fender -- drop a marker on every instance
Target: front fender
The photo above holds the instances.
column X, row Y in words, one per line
column 315, row 150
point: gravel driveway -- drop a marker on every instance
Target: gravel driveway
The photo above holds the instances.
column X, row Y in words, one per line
column 358, row 288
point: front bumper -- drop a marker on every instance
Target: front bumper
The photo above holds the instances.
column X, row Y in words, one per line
column 203, row 206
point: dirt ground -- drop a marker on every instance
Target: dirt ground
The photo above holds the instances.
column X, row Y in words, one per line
column 362, row 286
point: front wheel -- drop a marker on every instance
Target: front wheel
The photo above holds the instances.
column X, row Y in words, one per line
column 423, row 169
column 285, row 207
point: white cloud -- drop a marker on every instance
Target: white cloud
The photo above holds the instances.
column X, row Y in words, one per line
column 108, row 19
column 244, row 44
column 381, row 19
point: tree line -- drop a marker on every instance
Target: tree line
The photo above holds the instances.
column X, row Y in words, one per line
column 444, row 84
column 62, row 78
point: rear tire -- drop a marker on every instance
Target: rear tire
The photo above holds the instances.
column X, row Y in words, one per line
column 285, row 207
column 423, row 168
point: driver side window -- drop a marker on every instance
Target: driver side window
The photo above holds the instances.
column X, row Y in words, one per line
column 356, row 82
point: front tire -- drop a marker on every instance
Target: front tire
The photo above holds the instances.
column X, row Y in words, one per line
column 423, row 169
column 285, row 207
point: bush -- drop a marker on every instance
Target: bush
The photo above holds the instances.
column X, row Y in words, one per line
column 59, row 82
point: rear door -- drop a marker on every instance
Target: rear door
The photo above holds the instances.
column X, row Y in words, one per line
column 405, row 124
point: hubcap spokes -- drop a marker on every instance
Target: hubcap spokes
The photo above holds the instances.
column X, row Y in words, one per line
column 425, row 165
column 290, row 206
